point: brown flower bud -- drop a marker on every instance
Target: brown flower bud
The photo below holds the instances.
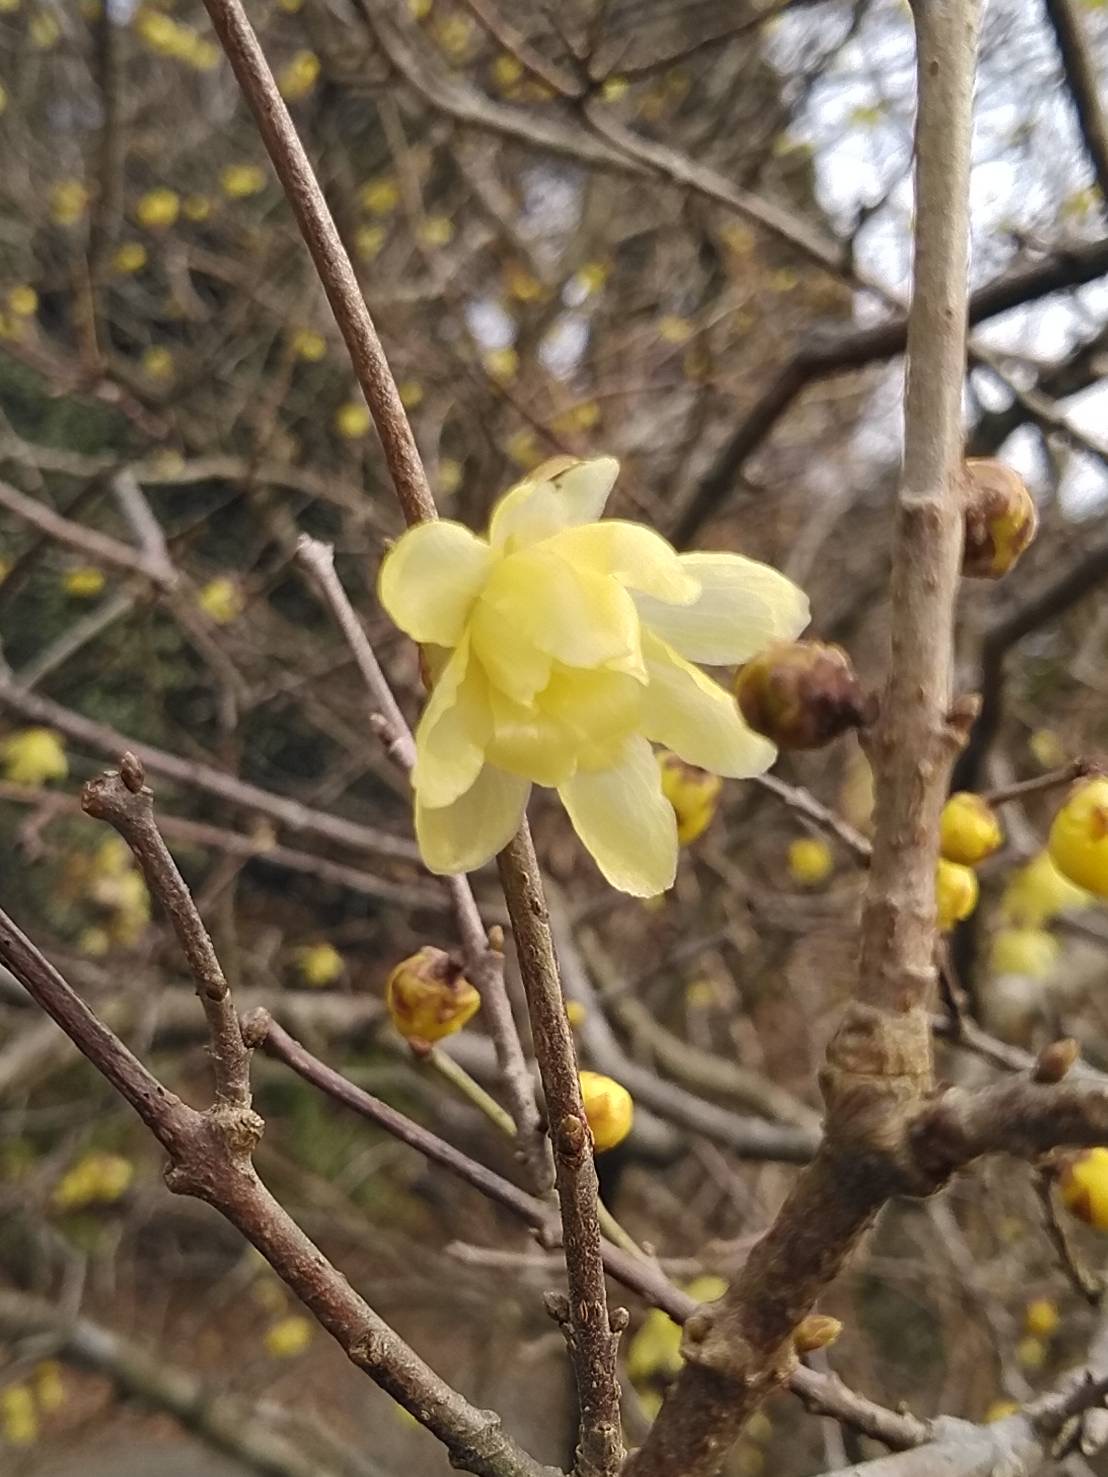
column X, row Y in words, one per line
column 815, row 1332
column 802, row 694
column 1000, row 519
column 429, row 997
column 1055, row 1060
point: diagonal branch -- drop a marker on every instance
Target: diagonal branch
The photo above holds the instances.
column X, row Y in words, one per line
column 1084, row 85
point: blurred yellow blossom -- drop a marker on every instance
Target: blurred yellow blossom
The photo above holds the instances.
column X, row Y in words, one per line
column 237, row 181
column 1040, row 1317
column 1038, row 892
column 1047, row 748
column 98, row 1178
column 85, row 582
column 288, row 1337
column 381, row 196
column 48, row 1385
column 506, row 70
column 674, row 330
column 501, row 365
column 570, row 646
column 18, row 1418
column 810, row 860
column 197, row 207
column 157, row 362
column 368, row 241
column 319, row 964
column 43, row 30
column 1000, row 1410
column 411, row 393
column 614, row 88
column 1031, row 952
column 419, row 9
column 129, row 256
column 693, row 793
column 436, row 230
column 23, row 301
column 299, row 76
column 33, row 756
column 1031, row 1353
column 222, row 600
column 449, row 477
column 157, row 210
column 309, row 345
column 352, row 420
column 68, row 202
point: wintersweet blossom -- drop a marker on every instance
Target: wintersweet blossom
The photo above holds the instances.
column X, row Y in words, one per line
column 560, row 648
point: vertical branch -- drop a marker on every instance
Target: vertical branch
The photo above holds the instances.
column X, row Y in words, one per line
column 328, row 253
column 879, row 1063
column 593, row 1338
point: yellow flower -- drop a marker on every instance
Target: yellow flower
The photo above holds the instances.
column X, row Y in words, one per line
column 1084, row 1187
column 49, row 1389
column 222, row 600
column 411, row 393
column 674, row 330
column 197, row 207
column 84, row 583
column 43, row 30
column 288, row 1337
column 576, row 1013
column 614, row 88
column 449, row 477
column 502, row 365
column 436, row 230
column 157, row 362
column 352, row 420
column 129, row 257
column 419, row 9
column 319, row 964
column 1040, row 1318
column 240, row 180
column 23, row 301
column 309, row 345
column 955, row 894
column 564, row 646
column 68, row 202
column 96, row 1179
column 157, row 210
column 368, row 241
column 428, row 996
column 1047, row 749
column 609, row 1109
column 810, row 861
column 999, row 1410
column 1000, row 518
column 381, row 196
column 33, row 756
column 1028, row 951
column 968, row 829
column 1079, row 837
column 693, row 793
column 18, row 1420
column 300, row 76
column 1031, row 1353
column 656, row 1348
column 1038, row 892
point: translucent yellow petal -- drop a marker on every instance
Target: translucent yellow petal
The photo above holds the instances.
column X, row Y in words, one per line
column 529, row 742
column 537, row 600
column 462, row 836
column 453, row 731
column 594, row 705
column 513, row 663
column 430, row 578
column 557, row 495
column 631, row 553
column 743, row 607
column 625, row 821
column 692, row 715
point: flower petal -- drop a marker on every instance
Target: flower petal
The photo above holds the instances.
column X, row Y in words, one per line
column 462, row 836
column 453, row 731
column 529, row 742
column 560, row 494
column 692, row 715
column 631, row 553
column 744, row 606
column 430, row 578
column 625, row 821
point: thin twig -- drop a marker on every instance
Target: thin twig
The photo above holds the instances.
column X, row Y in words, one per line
column 1084, row 84
column 1057, row 778
column 1085, row 1282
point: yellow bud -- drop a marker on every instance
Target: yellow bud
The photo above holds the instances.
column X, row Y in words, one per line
column 1083, row 1186
column 999, row 1410
column 614, row 88
column 288, row 1337
column 1031, row 952
column 23, row 301
column 969, row 830
column 221, row 600
column 1031, row 1353
column 1079, row 837
column 43, row 30
column 506, row 70
column 319, row 964
column 411, row 394
column 693, row 793
column 68, row 202
column 241, row 180
column 129, row 257
column 609, row 1109
column 18, row 1420
column 810, row 861
column 815, row 1332
column 955, row 894
column 575, row 1013
column 300, row 76
column 436, row 230
column 33, row 756
column 352, row 420
column 49, row 1389
column 429, row 997
column 381, row 196
column 1000, row 519
column 749, row 1460
column 502, row 365
column 522, row 284
column 449, row 477
column 157, row 362
column 1040, row 1318
column 309, row 345
column 1047, row 749
column 96, row 1179
column 84, row 583
column 157, row 210
column 801, row 694
column 368, row 241
column 197, row 207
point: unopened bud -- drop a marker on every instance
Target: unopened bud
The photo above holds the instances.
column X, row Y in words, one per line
column 969, row 830
column 609, row 1109
column 131, row 772
column 815, row 1332
column 802, row 694
column 693, row 793
column 1079, row 836
column 429, row 997
column 956, row 894
column 1055, row 1060
column 1000, row 519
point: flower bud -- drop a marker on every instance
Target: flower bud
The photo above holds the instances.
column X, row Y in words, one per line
column 693, row 793
column 969, row 830
column 815, row 1332
column 429, row 997
column 1030, row 952
column 609, row 1109
column 1084, row 1187
column 1079, row 837
column 801, row 694
column 1040, row 1318
column 1031, row 1353
column 1055, row 1060
column 1000, row 519
column 810, row 861
column 955, row 894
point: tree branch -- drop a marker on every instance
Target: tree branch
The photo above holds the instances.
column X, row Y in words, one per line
column 1084, row 86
